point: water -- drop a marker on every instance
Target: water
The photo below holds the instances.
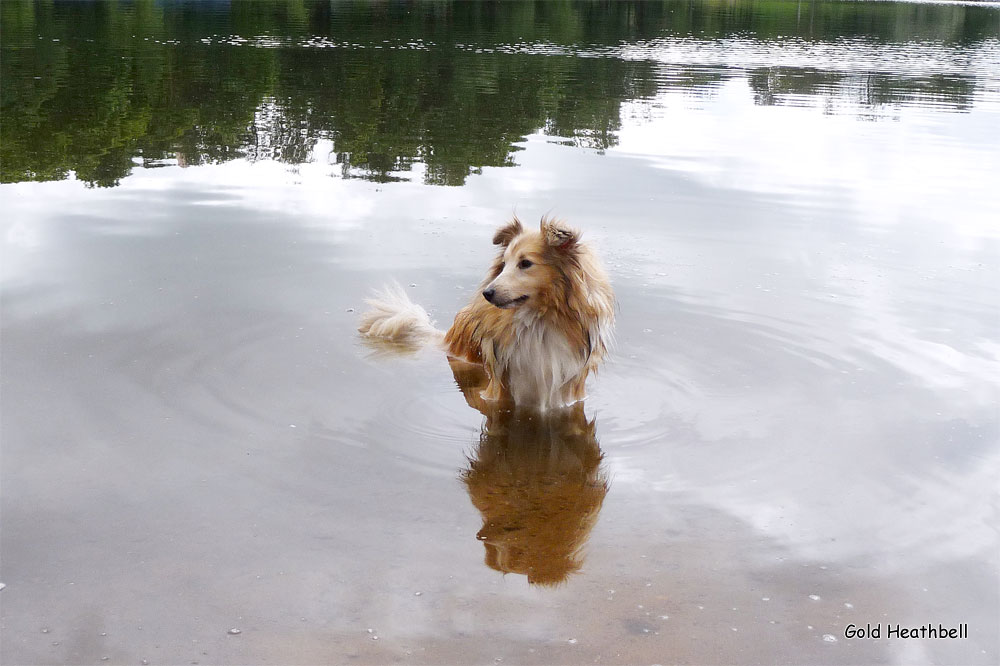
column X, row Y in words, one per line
column 797, row 431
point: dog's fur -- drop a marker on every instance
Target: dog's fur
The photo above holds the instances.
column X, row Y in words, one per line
column 541, row 323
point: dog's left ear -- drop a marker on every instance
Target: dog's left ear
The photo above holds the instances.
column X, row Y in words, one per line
column 559, row 236
column 508, row 232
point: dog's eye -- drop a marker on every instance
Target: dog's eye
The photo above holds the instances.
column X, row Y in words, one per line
column 525, row 263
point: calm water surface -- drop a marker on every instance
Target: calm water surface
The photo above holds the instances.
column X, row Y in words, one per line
column 798, row 431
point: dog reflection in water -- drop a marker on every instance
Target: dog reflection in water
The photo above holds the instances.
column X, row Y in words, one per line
column 537, row 480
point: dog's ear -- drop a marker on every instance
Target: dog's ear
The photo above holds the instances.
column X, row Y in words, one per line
column 508, row 232
column 558, row 235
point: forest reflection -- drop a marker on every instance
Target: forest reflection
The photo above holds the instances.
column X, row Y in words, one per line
column 95, row 89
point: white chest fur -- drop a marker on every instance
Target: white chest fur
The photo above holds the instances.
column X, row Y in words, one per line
column 540, row 365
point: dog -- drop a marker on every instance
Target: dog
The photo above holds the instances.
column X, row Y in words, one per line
column 541, row 323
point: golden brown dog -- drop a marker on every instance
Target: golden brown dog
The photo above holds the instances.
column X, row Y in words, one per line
column 541, row 323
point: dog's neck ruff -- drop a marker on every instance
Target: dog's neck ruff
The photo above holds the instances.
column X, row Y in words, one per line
column 540, row 364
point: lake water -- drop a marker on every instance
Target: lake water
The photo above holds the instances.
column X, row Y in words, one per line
column 797, row 432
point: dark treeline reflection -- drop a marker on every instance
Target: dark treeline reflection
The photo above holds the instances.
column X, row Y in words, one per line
column 96, row 87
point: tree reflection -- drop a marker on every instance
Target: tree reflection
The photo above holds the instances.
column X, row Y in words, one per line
column 93, row 88
column 779, row 85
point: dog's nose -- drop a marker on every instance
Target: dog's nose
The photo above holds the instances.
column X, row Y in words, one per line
column 488, row 294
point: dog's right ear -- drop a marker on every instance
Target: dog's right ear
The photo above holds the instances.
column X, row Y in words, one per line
column 508, row 232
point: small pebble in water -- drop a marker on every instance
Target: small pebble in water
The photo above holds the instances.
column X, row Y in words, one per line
column 829, row 638
column 572, row 641
column 814, row 597
column 847, row 605
column 233, row 632
column 105, row 658
column 45, row 630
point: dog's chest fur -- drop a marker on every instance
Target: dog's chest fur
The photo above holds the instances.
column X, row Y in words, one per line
column 539, row 363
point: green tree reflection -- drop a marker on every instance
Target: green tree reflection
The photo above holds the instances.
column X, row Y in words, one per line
column 93, row 88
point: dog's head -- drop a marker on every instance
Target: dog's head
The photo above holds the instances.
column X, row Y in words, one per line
column 531, row 263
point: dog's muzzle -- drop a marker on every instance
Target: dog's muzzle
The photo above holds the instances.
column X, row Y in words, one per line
column 491, row 296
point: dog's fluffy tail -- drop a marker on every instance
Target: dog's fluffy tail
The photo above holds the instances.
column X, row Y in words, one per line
column 393, row 316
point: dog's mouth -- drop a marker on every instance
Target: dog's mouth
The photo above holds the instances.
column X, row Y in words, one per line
column 513, row 303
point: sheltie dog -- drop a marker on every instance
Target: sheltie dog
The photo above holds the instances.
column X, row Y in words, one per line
column 541, row 322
